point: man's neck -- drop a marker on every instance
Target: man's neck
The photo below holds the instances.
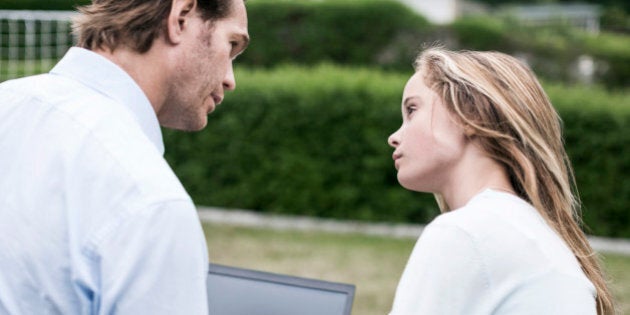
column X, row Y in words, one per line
column 146, row 69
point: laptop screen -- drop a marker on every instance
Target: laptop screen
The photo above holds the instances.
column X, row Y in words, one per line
column 238, row 291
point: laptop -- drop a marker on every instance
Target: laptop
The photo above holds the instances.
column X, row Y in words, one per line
column 239, row 291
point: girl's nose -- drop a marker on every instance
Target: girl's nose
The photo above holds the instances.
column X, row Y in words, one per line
column 393, row 139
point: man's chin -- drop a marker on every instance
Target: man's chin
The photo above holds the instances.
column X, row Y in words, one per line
column 196, row 125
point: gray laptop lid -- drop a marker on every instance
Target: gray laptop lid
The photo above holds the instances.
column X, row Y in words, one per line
column 238, row 291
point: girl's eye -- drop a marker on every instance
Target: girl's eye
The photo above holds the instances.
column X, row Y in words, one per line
column 409, row 109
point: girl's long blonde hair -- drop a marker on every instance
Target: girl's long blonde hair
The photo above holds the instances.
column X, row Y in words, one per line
column 499, row 99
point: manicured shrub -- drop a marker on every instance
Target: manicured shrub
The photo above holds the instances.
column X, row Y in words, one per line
column 301, row 141
column 312, row 141
column 597, row 135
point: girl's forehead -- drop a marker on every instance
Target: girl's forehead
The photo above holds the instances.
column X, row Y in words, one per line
column 413, row 84
column 416, row 87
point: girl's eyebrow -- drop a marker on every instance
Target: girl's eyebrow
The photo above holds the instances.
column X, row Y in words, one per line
column 408, row 99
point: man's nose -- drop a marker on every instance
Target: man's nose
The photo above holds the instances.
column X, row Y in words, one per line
column 229, row 82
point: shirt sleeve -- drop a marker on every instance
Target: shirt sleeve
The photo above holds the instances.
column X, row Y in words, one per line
column 154, row 262
column 444, row 275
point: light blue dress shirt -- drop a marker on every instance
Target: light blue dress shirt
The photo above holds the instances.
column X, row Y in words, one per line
column 92, row 218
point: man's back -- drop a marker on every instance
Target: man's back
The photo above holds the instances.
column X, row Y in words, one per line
column 92, row 219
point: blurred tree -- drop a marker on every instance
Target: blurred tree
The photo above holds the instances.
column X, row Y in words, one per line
column 616, row 19
column 41, row 4
column 622, row 4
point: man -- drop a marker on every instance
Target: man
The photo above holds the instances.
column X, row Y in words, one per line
column 92, row 219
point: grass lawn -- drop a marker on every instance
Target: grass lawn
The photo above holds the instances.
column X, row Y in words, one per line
column 20, row 68
column 372, row 263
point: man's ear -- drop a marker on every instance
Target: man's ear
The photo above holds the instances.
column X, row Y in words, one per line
column 178, row 19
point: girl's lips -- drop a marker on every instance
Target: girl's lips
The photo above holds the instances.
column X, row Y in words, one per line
column 396, row 157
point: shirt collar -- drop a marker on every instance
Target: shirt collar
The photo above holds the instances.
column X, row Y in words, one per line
column 102, row 75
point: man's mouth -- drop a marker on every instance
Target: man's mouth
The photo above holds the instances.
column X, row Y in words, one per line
column 217, row 99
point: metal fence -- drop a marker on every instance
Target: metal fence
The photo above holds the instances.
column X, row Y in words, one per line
column 32, row 42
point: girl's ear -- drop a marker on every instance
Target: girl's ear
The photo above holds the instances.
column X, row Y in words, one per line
column 469, row 131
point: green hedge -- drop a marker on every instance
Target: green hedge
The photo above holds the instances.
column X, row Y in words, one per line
column 312, row 141
column 301, row 141
column 597, row 135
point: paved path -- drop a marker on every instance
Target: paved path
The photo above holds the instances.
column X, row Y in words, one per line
column 279, row 222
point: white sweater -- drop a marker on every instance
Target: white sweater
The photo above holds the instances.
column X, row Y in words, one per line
column 495, row 255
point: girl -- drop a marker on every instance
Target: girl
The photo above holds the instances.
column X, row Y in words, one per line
column 480, row 133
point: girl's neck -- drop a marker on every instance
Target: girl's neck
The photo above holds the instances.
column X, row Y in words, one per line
column 486, row 174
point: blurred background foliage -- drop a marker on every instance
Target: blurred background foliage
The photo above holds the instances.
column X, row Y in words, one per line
column 319, row 92
column 312, row 141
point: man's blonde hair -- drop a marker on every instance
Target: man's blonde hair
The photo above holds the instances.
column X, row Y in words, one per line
column 107, row 24
column 500, row 100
